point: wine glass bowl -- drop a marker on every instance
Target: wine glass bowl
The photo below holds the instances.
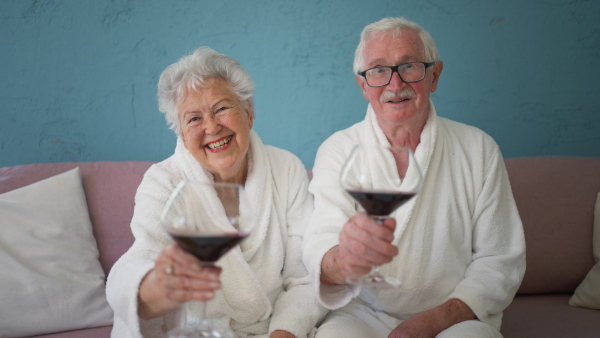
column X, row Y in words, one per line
column 380, row 179
column 204, row 220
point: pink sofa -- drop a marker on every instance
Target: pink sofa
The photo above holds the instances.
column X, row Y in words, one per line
column 555, row 197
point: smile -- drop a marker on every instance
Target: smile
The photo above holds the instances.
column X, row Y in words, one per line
column 398, row 101
column 220, row 144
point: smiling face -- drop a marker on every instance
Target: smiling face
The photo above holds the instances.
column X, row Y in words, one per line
column 215, row 128
column 399, row 102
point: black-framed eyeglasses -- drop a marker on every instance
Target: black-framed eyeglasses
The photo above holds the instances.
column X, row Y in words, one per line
column 409, row 72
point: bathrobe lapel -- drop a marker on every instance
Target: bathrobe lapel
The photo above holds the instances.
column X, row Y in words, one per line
column 242, row 297
column 385, row 169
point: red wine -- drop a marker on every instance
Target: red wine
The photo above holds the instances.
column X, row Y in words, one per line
column 208, row 247
column 380, row 202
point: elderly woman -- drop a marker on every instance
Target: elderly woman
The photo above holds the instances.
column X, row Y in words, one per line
column 207, row 100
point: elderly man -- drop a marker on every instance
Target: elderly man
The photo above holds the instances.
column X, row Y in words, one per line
column 458, row 247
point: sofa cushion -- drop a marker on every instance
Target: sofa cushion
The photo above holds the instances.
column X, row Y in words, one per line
column 50, row 276
column 587, row 293
column 548, row 316
column 107, row 185
column 555, row 196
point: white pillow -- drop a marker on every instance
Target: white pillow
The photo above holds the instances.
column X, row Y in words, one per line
column 50, row 276
column 587, row 293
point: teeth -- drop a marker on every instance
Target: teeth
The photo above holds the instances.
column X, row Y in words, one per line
column 219, row 144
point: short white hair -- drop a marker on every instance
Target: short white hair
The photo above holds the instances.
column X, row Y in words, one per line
column 393, row 26
column 194, row 71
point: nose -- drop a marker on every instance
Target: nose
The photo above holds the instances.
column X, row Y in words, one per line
column 395, row 81
column 212, row 125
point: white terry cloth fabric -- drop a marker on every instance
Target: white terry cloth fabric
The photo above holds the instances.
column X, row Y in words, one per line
column 358, row 320
column 265, row 285
column 460, row 237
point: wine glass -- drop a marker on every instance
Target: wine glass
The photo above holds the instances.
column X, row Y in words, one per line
column 204, row 220
column 380, row 178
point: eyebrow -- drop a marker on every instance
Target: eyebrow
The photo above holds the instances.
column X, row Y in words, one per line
column 224, row 99
column 380, row 62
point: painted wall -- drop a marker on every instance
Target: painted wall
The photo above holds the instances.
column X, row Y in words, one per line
column 78, row 78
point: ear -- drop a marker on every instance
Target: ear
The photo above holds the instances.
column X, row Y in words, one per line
column 181, row 134
column 437, row 71
column 250, row 112
column 184, row 140
column 362, row 83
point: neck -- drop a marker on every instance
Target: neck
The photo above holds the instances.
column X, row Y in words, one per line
column 238, row 178
column 404, row 133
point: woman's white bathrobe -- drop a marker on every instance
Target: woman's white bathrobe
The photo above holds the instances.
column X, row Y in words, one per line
column 265, row 285
column 461, row 237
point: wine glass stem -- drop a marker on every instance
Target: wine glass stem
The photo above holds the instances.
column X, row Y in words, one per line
column 202, row 311
column 203, row 304
column 379, row 219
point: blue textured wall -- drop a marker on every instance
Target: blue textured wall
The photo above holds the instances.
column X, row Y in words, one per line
column 78, row 78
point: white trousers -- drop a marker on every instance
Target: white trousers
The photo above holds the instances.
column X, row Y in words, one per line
column 357, row 320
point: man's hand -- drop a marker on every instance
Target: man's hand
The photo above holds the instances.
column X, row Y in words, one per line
column 430, row 323
column 364, row 243
column 415, row 327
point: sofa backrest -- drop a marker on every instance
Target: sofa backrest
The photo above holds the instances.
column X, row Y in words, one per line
column 555, row 196
column 109, row 189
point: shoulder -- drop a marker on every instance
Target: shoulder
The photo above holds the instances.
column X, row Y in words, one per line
column 464, row 131
column 288, row 173
column 281, row 158
column 160, row 178
column 469, row 136
column 469, row 146
column 345, row 137
column 340, row 143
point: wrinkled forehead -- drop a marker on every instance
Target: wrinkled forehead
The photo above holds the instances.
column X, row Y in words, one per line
column 398, row 44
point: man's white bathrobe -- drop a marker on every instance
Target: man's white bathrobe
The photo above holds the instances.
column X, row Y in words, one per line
column 265, row 285
column 460, row 237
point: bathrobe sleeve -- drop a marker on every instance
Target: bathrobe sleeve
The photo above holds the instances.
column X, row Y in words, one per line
column 128, row 272
column 498, row 245
column 333, row 208
column 296, row 309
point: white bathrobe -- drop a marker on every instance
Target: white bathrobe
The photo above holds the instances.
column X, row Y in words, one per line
column 265, row 285
column 461, row 237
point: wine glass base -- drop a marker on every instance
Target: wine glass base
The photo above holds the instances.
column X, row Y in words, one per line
column 375, row 282
column 199, row 332
column 186, row 332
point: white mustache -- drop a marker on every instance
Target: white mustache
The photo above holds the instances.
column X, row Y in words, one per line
column 406, row 93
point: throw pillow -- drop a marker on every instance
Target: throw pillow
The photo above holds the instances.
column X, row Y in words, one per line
column 587, row 293
column 50, row 276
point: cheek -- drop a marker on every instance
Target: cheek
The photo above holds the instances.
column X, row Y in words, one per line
column 192, row 137
column 372, row 93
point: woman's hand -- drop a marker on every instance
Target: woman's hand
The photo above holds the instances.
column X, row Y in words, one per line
column 281, row 334
column 177, row 277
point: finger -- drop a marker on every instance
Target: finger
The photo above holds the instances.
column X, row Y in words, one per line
column 365, row 223
column 182, row 288
column 186, row 295
column 206, row 279
column 183, row 258
column 187, row 264
column 363, row 244
column 172, row 265
column 349, row 257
